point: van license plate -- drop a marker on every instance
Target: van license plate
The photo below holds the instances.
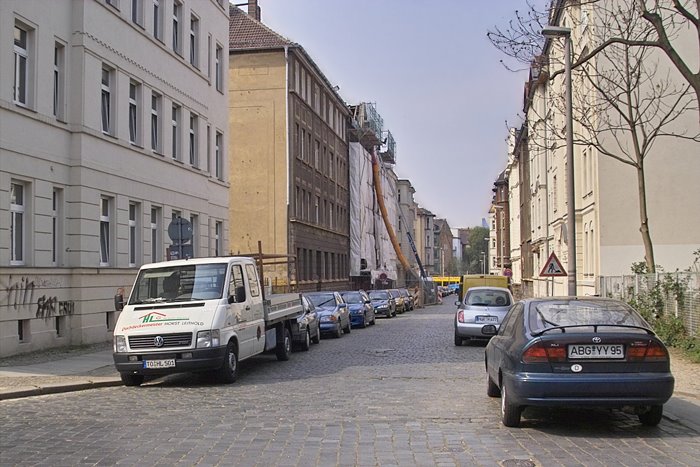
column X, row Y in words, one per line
column 169, row 363
column 602, row 351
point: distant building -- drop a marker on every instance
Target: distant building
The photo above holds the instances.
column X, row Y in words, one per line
column 288, row 154
column 112, row 123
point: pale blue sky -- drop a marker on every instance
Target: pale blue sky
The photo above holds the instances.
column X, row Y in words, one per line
column 435, row 78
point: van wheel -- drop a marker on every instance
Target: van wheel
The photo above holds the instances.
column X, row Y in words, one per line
column 130, row 379
column 228, row 372
column 307, row 341
column 652, row 417
column 284, row 344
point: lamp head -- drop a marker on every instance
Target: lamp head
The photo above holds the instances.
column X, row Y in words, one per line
column 556, row 31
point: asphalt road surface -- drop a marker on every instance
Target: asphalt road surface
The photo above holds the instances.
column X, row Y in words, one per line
column 398, row 393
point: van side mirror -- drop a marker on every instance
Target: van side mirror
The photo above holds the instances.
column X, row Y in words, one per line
column 119, row 302
column 240, row 294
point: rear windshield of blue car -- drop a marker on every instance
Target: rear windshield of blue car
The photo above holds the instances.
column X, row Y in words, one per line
column 554, row 313
column 487, row 297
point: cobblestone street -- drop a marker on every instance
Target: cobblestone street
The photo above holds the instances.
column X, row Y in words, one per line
column 398, row 393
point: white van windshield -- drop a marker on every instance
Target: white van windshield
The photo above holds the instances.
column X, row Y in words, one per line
column 181, row 283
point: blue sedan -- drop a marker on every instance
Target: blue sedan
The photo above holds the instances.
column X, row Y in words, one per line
column 360, row 307
column 577, row 351
column 332, row 312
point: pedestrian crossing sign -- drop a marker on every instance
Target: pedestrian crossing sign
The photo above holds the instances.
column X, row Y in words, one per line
column 553, row 267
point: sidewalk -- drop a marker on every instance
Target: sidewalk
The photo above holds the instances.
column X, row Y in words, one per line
column 55, row 372
column 61, row 370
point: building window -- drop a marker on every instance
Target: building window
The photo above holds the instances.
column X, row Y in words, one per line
column 105, row 213
column 17, row 211
column 58, row 73
column 106, row 101
column 133, row 233
column 219, row 75
column 155, row 239
column 194, row 41
column 21, row 77
column 157, row 20
column 208, row 154
column 114, row 3
column 137, row 12
column 155, row 121
column 193, row 140
column 218, row 236
column 194, row 222
column 56, row 215
column 60, row 325
column 176, row 130
column 23, row 330
column 177, row 14
column 218, row 159
column 134, row 121
column 317, row 150
column 317, row 209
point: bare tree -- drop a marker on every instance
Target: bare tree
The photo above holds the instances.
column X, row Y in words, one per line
column 663, row 21
column 623, row 103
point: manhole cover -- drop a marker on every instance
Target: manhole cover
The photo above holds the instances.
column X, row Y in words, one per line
column 518, row 463
column 380, row 352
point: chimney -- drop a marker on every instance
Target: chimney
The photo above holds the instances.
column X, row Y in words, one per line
column 254, row 9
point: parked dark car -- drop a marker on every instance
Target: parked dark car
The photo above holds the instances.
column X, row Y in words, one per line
column 400, row 302
column 577, row 351
column 309, row 328
column 360, row 307
column 383, row 303
column 407, row 298
column 332, row 312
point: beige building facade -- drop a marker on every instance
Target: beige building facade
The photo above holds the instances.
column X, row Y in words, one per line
column 112, row 123
column 288, row 155
column 607, row 208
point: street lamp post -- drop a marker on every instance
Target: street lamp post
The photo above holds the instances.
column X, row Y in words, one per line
column 483, row 262
column 551, row 32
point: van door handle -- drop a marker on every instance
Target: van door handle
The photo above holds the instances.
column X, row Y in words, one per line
column 247, row 308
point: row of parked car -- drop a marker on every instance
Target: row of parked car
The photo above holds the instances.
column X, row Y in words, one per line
column 333, row 313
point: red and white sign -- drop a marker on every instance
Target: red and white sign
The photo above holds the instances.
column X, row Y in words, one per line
column 553, row 267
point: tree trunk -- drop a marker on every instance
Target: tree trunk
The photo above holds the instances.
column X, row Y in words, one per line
column 644, row 219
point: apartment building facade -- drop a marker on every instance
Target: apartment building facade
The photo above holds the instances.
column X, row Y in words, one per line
column 288, row 154
column 114, row 125
column 607, row 206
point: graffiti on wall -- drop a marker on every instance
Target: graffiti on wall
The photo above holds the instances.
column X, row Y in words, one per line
column 19, row 294
column 51, row 306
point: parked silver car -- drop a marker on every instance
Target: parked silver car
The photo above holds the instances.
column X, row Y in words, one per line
column 482, row 306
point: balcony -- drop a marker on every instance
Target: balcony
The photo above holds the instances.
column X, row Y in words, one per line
column 366, row 125
column 388, row 148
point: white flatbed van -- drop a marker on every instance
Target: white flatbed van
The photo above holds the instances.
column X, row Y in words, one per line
column 203, row 314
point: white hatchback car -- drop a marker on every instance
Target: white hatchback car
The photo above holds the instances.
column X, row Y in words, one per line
column 481, row 306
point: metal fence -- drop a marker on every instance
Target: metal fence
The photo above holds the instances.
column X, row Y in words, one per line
column 680, row 293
